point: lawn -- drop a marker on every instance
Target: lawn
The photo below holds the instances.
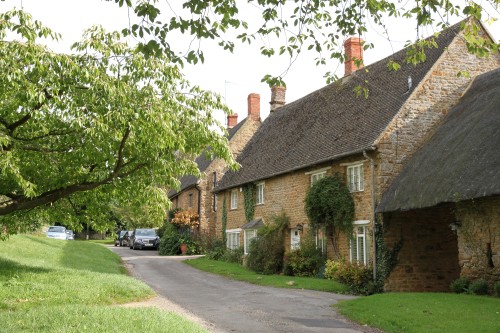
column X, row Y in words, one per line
column 50, row 285
column 237, row 272
column 425, row 312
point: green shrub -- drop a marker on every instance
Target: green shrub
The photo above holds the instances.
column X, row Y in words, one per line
column 479, row 287
column 170, row 242
column 216, row 249
column 357, row 277
column 496, row 288
column 234, row 256
column 460, row 285
column 306, row 261
column 267, row 250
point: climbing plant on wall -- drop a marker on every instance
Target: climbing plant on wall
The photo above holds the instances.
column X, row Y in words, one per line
column 387, row 258
column 249, row 201
column 329, row 203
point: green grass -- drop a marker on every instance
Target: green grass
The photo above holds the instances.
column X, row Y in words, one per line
column 50, row 285
column 425, row 312
column 107, row 241
column 237, row 272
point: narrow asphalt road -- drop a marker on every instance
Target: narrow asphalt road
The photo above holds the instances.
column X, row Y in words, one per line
column 233, row 306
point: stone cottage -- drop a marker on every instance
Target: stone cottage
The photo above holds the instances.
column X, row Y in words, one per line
column 196, row 194
column 365, row 140
column 445, row 204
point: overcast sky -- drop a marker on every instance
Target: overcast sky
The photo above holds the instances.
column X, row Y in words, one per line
column 234, row 76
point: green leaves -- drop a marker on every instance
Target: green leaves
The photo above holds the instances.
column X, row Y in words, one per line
column 104, row 125
column 289, row 27
column 329, row 203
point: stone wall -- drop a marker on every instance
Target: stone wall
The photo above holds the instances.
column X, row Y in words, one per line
column 208, row 213
column 286, row 194
column 480, row 226
column 429, row 102
column 428, row 259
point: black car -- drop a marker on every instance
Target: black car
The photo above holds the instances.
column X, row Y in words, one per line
column 119, row 237
column 144, row 238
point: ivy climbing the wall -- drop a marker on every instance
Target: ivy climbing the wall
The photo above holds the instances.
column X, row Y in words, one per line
column 249, row 201
column 329, row 203
column 387, row 258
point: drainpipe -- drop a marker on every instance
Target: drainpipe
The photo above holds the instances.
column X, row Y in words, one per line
column 372, row 169
column 199, row 204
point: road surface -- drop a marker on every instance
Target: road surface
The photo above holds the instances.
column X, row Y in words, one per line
column 234, row 306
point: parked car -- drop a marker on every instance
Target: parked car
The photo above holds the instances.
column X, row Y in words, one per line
column 70, row 235
column 57, row 232
column 119, row 237
column 144, row 238
column 126, row 238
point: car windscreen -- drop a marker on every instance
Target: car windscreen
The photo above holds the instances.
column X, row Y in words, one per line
column 56, row 229
column 145, row 232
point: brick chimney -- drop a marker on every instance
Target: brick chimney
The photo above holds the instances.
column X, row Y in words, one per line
column 254, row 107
column 232, row 120
column 277, row 97
column 353, row 47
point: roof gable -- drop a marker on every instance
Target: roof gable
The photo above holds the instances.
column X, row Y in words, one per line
column 203, row 163
column 332, row 122
column 461, row 161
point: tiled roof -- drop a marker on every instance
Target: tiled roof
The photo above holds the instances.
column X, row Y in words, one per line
column 203, row 162
column 332, row 122
column 461, row 161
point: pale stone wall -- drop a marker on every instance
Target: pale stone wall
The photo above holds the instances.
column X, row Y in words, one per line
column 480, row 226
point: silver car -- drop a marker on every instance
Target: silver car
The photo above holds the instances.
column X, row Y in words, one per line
column 57, row 232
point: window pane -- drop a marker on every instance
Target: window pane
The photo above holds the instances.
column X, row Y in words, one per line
column 234, row 199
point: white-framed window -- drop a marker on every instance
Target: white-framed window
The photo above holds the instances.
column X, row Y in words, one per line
column 359, row 245
column 317, row 176
column 248, row 235
column 259, row 200
column 233, row 238
column 234, row 199
column 355, row 178
column 294, row 239
column 190, row 200
column 321, row 239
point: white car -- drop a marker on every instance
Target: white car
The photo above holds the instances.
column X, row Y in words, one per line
column 57, row 232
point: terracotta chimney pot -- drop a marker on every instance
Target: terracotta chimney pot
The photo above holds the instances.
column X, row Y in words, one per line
column 232, row 120
column 254, row 106
column 353, row 48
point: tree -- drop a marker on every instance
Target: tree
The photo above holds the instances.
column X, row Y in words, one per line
column 103, row 125
column 328, row 203
column 293, row 26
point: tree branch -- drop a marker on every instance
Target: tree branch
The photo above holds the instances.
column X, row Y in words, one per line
column 119, row 160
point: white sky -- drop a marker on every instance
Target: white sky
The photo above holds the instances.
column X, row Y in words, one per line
column 234, row 76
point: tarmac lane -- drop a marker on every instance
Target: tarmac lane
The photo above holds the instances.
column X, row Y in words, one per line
column 224, row 305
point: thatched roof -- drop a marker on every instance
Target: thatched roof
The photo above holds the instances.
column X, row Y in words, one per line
column 332, row 122
column 462, row 159
column 203, row 163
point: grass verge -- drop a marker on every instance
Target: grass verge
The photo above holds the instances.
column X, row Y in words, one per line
column 425, row 312
column 237, row 272
column 50, row 285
